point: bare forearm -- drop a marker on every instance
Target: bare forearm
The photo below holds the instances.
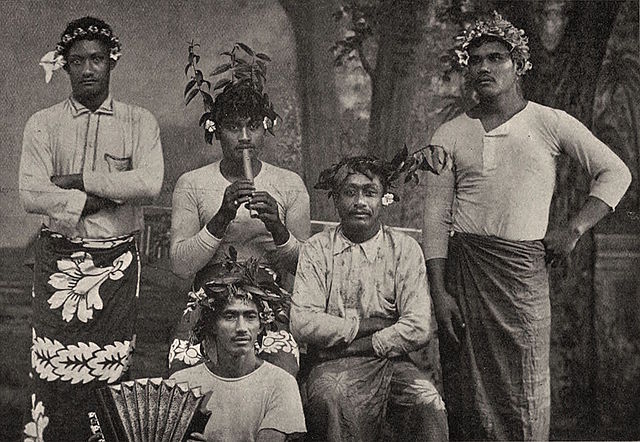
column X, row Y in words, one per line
column 591, row 212
column 369, row 326
column 359, row 347
column 73, row 181
column 270, row 435
column 436, row 274
column 95, row 204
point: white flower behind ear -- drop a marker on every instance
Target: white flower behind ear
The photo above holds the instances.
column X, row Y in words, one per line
column 210, row 126
column 388, row 198
column 51, row 61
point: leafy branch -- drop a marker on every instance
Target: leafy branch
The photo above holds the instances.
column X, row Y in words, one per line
column 431, row 158
column 195, row 86
column 240, row 72
column 362, row 16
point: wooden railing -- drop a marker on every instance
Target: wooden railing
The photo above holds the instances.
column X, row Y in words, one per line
column 155, row 240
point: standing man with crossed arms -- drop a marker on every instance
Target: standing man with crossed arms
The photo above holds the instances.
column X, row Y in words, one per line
column 87, row 165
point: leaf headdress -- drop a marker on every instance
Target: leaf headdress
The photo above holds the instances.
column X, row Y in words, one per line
column 240, row 84
column 248, row 280
column 430, row 158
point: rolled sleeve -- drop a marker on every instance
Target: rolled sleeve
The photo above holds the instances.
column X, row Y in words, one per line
column 412, row 329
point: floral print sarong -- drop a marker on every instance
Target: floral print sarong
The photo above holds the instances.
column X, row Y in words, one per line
column 84, row 302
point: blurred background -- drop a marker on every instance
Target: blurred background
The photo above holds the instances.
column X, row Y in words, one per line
column 352, row 77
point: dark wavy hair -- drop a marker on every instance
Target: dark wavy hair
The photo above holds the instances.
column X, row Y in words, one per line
column 241, row 101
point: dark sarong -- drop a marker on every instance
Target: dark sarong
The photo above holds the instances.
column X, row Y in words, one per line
column 348, row 399
column 497, row 383
column 84, row 311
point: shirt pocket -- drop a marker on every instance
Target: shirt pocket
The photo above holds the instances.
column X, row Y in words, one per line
column 116, row 164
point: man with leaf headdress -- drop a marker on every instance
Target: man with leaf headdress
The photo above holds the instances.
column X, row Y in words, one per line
column 485, row 223
column 241, row 201
column 246, row 398
column 361, row 304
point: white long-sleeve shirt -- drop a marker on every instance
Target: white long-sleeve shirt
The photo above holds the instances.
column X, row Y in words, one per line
column 339, row 282
column 503, row 180
column 116, row 149
column 198, row 196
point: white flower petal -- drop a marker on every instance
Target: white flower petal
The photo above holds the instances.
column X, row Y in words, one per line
column 58, row 298
column 123, row 261
column 70, row 307
column 61, row 281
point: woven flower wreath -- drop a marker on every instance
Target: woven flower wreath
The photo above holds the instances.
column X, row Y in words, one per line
column 249, row 280
column 54, row 60
column 498, row 27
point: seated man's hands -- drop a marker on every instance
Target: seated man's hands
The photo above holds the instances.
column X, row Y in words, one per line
column 359, row 347
column 362, row 345
column 369, row 326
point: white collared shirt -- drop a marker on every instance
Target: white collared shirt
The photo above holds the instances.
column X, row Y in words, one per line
column 339, row 282
column 117, row 150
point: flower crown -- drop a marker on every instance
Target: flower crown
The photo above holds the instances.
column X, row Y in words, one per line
column 243, row 74
column 54, row 60
column 430, row 158
column 494, row 26
column 245, row 280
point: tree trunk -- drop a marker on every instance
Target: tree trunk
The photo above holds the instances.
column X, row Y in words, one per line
column 315, row 32
column 395, row 75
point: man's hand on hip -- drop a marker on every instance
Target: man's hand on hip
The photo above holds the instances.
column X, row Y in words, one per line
column 559, row 243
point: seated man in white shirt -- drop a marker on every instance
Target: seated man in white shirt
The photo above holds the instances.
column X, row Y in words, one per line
column 248, row 399
column 361, row 303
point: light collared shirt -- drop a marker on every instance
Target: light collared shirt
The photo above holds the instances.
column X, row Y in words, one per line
column 197, row 198
column 116, row 149
column 339, row 282
column 503, row 180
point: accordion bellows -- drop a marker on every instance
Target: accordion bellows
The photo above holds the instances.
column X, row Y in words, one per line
column 147, row 410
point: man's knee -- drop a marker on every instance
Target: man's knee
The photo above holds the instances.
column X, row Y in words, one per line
column 322, row 395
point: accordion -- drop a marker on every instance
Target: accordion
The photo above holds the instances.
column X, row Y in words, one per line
column 145, row 410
